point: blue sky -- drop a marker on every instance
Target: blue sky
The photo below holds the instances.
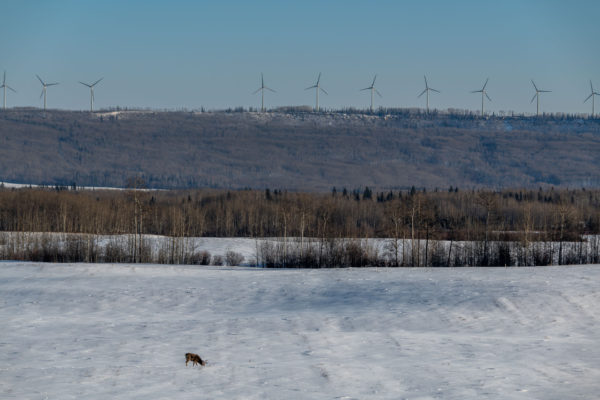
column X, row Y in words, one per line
column 188, row 54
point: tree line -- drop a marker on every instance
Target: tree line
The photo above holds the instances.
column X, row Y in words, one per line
column 450, row 214
column 311, row 226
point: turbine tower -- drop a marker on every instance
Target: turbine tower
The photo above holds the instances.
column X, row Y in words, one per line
column 372, row 89
column 426, row 91
column 537, row 95
column 592, row 95
column 91, row 92
column 45, row 85
column 5, row 86
column 318, row 87
column 483, row 93
column 262, row 89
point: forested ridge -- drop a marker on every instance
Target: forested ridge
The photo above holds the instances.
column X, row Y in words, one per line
column 298, row 150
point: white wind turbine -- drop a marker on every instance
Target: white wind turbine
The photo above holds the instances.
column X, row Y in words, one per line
column 592, row 95
column 537, row 94
column 372, row 89
column 426, row 91
column 91, row 92
column 262, row 89
column 318, row 88
column 45, row 85
column 5, row 86
column 483, row 93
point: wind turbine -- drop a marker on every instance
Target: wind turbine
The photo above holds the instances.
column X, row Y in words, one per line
column 372, row 89
column 483, row 93
column 426, row 91
column 319, row 88
column 5, row 86
column 45, row 85
column 592, row 95
column 537, row 94
column 91, row 92
column 262, row 89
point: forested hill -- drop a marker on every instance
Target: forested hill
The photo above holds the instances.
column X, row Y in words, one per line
column 297, row 150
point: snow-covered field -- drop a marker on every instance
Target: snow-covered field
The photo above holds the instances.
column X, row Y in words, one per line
column 91, row 331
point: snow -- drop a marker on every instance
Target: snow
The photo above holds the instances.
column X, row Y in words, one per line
column 103, row 331
column 12, row 185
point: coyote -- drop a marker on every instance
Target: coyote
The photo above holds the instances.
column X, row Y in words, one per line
column 194, row 358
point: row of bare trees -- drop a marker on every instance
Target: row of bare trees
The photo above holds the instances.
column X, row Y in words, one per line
column 342, row 252
column 414, row 222
column 76, row 247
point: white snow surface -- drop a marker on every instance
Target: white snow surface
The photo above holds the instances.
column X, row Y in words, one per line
column 103, row 331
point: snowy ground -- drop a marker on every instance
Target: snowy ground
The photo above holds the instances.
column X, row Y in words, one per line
column 90, row 331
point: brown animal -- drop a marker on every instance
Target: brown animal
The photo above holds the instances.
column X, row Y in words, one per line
column 194, row 358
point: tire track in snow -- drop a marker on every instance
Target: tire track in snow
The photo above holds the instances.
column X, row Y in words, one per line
column 509, row 307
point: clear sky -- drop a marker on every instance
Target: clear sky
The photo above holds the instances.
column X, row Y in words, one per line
column 188, row 54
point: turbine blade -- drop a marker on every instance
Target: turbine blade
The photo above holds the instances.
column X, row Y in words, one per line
column 270, row 89
column 379, row 94
column 477, row 91
column 587, row 98
column 311, row 87
column 83, row 83
column 591, row 86
column 485, row 84
column 262, row 80
column 367, row 88
column 95, row 83
column 11, row 88
column 52, row 84
column 257, row 90
column 375, row 77
column 426, row 86
column 545, row 91
column 422, row 93
column 319, row 79
column 533, row 83
column 324, row 91
column 533, row 98
column 433, row 90
column 488, row 97
column 41, row 94
column 4, row 80
column 40, row 79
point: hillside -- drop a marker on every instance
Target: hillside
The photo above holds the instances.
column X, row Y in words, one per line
column 297, row 150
